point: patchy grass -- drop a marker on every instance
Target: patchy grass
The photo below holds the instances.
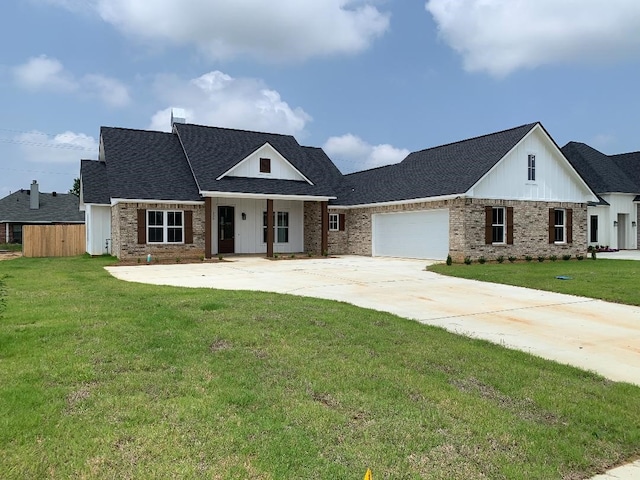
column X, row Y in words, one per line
column 105, row 379
column 610, row 280
column 11, row 247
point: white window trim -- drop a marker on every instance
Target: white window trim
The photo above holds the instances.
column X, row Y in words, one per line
column 563, row 226
column 503, row 225
column 531, row 169
column 275, row 226
column 334, row 222
column 165, row 227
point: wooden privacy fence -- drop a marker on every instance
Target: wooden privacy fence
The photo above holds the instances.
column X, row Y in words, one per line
column 53, row 240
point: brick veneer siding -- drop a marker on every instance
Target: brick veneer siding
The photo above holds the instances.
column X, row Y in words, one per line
column 124, row 233
column 3, row 233
column 313, row 227
column 467, row 228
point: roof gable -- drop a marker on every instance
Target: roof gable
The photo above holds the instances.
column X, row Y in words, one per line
column 450, row 169
column 279, row 167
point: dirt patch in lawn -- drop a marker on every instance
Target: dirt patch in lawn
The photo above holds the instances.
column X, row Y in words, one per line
column 8, row 255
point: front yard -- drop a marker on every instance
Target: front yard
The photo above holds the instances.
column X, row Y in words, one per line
column 105, row 379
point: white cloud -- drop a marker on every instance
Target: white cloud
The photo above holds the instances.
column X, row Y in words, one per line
column 502, row 36
column 49, row 74
column 267, row 30
column 359, row 155
column 67, row 147
column 44, row 73
column 218, row 99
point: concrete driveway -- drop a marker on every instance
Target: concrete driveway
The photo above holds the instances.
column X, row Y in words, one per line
column 590, row 334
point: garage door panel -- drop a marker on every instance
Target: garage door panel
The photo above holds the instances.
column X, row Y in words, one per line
column 420, row 234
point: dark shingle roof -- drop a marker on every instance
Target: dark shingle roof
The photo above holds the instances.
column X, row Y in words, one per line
column 58, row 208
column 444, row 170
column 95, row 186
column 144, row 164
column 212, row 151
column 600, row 171
column 629, row 163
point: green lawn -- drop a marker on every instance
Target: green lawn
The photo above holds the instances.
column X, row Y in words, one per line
column 105, row 379
column 610, row 280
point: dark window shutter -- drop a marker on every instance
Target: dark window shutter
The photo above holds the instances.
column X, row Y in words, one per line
column 488, row 222
column 569, row 221
column 341, row 221
column 188, row 226
column 142, row 226
column 552, row 225
column 509, row 225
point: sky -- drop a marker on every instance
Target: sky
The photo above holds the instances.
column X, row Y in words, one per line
column 367, row 80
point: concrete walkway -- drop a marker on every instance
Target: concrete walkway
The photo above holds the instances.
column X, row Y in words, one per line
column 590, row 334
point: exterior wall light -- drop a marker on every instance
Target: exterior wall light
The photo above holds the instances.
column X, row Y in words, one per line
column 615, row 223
column 633, row 224
column 244, row 216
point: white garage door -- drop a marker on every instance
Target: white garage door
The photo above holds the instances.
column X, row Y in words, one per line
column 421, row 234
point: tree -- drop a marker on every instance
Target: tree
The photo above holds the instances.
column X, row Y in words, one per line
column 76, row 187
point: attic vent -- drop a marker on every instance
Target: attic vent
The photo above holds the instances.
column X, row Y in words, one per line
column 54, row 194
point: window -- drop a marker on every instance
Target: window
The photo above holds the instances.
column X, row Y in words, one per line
column 280, row 227
column 265, row 165
column 593, row 236
column 165, row 226
column 498, row 225
column 531, row 168
column 559, row 236
column 334, row 222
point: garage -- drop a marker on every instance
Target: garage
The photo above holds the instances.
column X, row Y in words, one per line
column 420, row 234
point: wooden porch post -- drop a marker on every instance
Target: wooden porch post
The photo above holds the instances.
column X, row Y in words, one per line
column 324, row 247
column 208, row 218
column 269, row 228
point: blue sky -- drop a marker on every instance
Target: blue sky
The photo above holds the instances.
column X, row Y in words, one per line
column 367, row 80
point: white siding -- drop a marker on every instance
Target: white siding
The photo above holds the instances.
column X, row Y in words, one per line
column 98, row 229
column 555, row 179
column 621, row 209
column 249, row 232
column 280, row 168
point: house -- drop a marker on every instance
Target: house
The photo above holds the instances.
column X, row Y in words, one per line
column 613, row 220
column 32, row 207
column 207, row 191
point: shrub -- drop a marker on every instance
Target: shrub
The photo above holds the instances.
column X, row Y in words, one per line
column 541, row 258
column 293, row 255
column 481, row 260
column 580, row 257
column 528, row 258
column 220, row 257
column 511, row 259
column 500, row 259
column 178, row 260
column 593, row 255
column 467, row 260
column 566, row 257
column 553, row 258
column 449, row 261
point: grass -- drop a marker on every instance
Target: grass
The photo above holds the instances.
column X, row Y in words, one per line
column 610, row 280
column 104, row 379
column 11, row 247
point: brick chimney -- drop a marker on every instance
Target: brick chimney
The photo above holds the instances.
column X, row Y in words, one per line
column 34, row 200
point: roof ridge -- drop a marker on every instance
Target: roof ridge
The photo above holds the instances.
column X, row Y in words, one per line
column 243, row 130
column 145, row 130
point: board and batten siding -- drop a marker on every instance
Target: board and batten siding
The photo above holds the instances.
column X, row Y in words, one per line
column 555, row 180
column 621, row 209
column 280, row 168
column 249, row 232
column 98, row 232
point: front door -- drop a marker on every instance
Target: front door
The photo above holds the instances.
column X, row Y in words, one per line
column 226, row 230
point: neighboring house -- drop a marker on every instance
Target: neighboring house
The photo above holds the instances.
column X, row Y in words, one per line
column 32, row 207
column 613, row 220
column 206, row 191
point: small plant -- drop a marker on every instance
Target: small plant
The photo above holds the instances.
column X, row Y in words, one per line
column 467, row 260
column 528, row 258
column 482, row 260
column 449, row 261
column 589, row 248
column 566, row 257
column 293, row 255
column 139, row 260
column 220, row 257
column 276, row 255
column 541, row 258
column 500, row 259
column 580, row 257
column 553, row 258
column 178, row 259
column 310, row 254
column 593, row 255
column 511, row 259
column 202, row 258
column 325, row 253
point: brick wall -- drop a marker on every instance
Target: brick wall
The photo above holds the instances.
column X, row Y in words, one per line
column 313, row 228
column 467, row 229
column 3, row 233
column 124, row 233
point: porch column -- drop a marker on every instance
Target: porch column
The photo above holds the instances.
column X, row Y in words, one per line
column 208, row 218
column 269, row 228
column 324, row 247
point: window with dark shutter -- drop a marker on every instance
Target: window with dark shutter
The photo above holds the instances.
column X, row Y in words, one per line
column 509, row 225
column 188, row 226
column 342, row 222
